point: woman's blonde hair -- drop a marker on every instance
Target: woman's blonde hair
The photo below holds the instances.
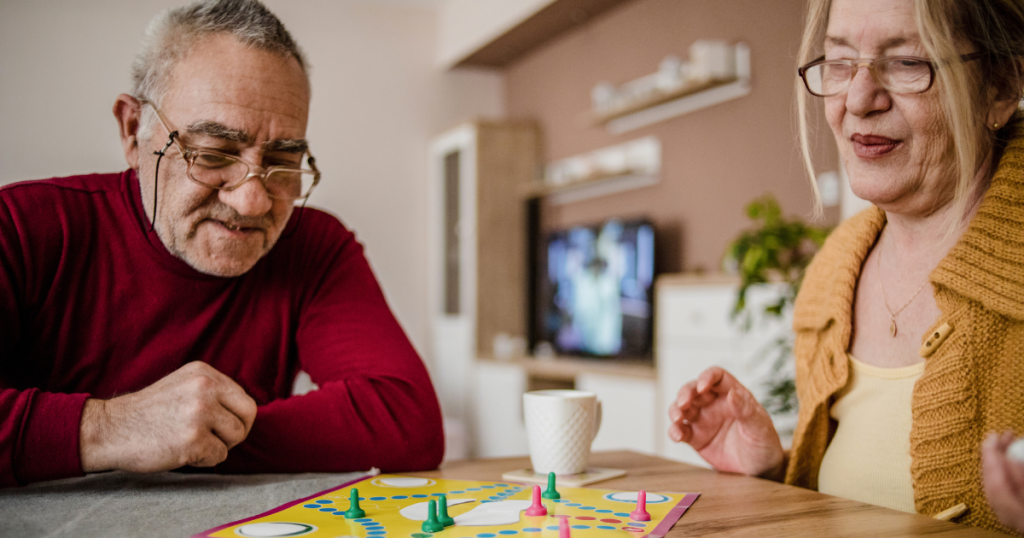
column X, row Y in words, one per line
column 995, row 27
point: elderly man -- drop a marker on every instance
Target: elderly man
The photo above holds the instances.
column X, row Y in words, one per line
column 157, row 318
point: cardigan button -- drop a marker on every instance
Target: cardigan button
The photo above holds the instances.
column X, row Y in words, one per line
column 935, row 339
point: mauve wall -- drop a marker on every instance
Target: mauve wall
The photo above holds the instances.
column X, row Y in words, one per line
column 714, row 160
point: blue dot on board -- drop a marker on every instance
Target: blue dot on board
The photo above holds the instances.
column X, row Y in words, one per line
column 488, row 487
column 486, row 535
column 376, row 533
column 457, row 492
column 311, row 506
column 374, row 527
column 532, row 529
column 635, row 524
column 603, row 511
column 508, row 532
column 363, row 520
column 606, row 527
column 621, row 514
column 378, row 498
column 324, row 502
column 420, row 496
column 581, row 527
column 587, row 507
column 437, row 494
column 362, row 498
column 328, row 509
column 560, row 500
column 397, row 497
column 574, row 504
column 552, row 527
column 473, row 489
column 486, row 501
column 502, row 485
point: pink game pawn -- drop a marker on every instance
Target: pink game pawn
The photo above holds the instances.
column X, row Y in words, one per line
column 640, row 514
column 563, row 527
column 537, row 508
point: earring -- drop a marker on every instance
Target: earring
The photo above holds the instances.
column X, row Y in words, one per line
column 995, row 125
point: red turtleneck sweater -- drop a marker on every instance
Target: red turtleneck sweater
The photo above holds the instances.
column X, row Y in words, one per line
column 93, row 305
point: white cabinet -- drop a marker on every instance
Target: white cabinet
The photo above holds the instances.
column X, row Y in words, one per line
column 629, row 406
column 477, row 246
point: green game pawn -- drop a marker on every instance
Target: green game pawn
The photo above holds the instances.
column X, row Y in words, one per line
column 432, row 524
column 354, row 512
column 551, row 493
column 442, row 512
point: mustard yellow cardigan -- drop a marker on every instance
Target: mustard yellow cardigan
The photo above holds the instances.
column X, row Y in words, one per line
column 973, row 381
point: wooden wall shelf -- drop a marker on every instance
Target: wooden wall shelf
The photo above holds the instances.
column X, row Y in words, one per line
column 689, row 98
column 657, row 99
column 567, row 368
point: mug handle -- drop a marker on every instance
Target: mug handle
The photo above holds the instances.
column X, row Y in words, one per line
column 597, row 421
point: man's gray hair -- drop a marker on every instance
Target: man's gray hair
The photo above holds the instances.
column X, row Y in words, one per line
column 172, row 34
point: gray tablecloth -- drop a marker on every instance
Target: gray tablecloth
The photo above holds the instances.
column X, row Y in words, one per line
column 119, row 504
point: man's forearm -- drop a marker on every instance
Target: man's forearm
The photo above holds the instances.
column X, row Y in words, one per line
column 349, row 425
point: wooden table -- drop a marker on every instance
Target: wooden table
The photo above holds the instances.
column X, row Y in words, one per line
column 735, row 505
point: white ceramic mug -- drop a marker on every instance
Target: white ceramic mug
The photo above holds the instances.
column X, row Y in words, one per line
column 561, row 425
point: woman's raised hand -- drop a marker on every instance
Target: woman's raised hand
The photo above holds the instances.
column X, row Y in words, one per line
column 726, row 425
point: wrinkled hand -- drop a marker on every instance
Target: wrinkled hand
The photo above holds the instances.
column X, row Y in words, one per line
column 726, row 425
column 1004, row 480
column 191, row 417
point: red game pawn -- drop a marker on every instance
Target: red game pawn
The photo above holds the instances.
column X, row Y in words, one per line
column 640, row 514
column 563, row 527
column 537, row 509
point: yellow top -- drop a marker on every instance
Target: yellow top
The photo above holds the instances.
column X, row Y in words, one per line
column 868, row 459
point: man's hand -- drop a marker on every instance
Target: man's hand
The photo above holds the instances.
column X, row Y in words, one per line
column 723, row 422
column 1004, row 480
column 191, row 417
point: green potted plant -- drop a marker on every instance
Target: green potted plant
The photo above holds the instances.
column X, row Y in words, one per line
column 776, row 250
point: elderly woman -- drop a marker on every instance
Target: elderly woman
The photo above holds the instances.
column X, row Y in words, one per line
column 910, row 323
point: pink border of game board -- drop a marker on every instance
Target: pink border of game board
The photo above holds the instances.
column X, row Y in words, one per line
column 660, row 531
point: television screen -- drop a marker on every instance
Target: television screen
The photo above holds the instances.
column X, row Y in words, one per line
column 595, row 295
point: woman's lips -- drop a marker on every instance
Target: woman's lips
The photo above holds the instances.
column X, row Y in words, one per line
column 873, row 146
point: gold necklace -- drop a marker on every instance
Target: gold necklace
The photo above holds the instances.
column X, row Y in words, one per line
column 885, row 300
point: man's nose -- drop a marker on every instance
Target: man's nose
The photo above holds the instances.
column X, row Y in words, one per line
column 250, row 199
column 865, row 94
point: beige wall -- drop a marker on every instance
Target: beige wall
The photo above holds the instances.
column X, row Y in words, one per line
column 377, row 99
column 715, row 160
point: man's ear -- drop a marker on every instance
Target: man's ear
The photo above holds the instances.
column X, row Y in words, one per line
column 128, row 111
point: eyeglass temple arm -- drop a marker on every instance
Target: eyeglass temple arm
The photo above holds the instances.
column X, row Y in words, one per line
column 156, row 177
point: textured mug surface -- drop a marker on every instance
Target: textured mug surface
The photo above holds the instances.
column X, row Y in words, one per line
column 561, row 425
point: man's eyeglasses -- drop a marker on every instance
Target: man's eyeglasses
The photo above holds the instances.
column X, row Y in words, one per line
column 218, row 170
column 897, row 74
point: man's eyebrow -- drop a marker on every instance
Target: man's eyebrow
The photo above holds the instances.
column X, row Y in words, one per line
column 287, row 145
column 218, row 130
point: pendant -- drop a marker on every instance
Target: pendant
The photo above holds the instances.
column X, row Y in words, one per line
column 892, row 329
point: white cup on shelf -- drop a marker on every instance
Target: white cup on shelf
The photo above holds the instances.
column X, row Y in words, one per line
column 561, row 425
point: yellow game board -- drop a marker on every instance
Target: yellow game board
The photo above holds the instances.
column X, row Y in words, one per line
column 396, row 507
